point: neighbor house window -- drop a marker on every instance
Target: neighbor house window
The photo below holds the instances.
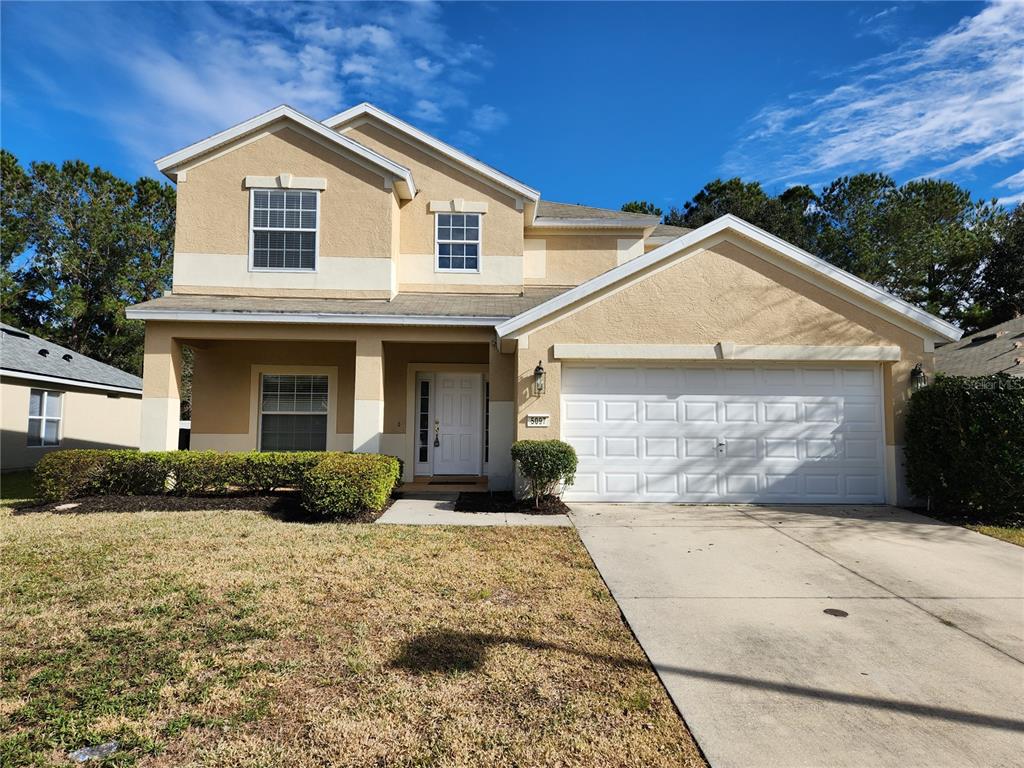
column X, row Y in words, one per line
column 284, row 223
column 293, row 413
column 458, row 242
column 44, row 412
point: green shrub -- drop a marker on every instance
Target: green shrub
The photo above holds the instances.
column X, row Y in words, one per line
column 135, row 473
column 546, row 465
column 259, row 473
column 349, row 484
column 198, row 473
column 965, row 447
column 64, row 475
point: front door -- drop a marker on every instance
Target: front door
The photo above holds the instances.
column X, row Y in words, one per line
column 457, row 426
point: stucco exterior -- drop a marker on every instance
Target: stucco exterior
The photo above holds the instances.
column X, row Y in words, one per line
column 619, row 288
column 89, row 419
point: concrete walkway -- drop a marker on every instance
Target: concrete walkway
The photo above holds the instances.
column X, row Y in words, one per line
column 440, row 510
column 842, row 636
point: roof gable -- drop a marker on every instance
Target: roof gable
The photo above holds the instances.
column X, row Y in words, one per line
column 837, row 280
column 367, row 110
column 401, row 176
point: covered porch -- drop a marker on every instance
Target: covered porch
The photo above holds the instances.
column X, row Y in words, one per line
column 441, row 399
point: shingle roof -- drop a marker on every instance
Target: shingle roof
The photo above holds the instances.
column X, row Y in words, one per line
column 548, row 209
column 992, row 350
column 429, row 305
column 669, row 230
column 23, row 353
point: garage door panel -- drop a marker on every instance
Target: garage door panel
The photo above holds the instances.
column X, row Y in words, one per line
column 717, row 434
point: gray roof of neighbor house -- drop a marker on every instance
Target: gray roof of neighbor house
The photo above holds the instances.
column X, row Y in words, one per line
column 669, row 230
column 24, row 353
column 434, row 307
column 993, row 350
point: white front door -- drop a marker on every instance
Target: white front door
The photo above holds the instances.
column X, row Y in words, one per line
column 458, row 424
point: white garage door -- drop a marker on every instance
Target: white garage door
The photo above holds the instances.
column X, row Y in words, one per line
column 725, row 433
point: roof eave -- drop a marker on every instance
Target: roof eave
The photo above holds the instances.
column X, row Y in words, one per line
column 315, row 318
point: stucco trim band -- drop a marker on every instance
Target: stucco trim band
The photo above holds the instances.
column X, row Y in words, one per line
column 285, row 181
column 457, row 205
column 306, row 318
column 726, row 350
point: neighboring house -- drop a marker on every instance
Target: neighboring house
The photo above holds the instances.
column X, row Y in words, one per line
column 999, row 349
column 52, row 398
column 358, row 284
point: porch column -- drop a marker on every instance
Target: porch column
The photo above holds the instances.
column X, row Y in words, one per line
column 368, row 416
column 161, row 390
column 501, row 376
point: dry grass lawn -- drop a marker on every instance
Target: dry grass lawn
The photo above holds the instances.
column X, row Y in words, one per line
column 227, row 639
column 1014, row 535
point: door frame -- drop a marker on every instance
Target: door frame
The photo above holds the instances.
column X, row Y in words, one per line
column 413, row 374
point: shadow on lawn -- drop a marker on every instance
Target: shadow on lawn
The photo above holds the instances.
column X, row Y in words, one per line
column 448, row 651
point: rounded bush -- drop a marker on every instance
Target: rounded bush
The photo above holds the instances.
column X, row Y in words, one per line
column 64, row 475
column 546, row 465
column 349, row 484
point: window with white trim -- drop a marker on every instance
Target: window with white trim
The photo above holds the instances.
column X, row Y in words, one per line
column 284, row 229
column 293, row 412
column 44, row 414
column 458, row 242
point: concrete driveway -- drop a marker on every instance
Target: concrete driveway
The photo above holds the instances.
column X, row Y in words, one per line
column 823, row 636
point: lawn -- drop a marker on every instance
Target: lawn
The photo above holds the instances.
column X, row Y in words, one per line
column 14, row 487
column 233, row 638
column 1014, row 535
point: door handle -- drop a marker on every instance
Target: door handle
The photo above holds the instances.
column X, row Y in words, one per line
column 437, row 434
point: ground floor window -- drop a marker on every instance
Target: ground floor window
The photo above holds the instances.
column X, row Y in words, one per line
column 44, row 414
column 293, row 413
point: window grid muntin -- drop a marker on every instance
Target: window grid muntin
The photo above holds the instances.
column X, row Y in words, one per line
column 44, row 425
column 293, row 412
column 284, row 225
column 458, row 237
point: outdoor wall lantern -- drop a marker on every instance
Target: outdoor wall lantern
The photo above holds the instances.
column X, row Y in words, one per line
column 918, row 378
column 539, row 375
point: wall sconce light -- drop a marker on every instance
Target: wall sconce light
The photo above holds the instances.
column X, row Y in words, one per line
column 539, row 376
column 918, row 378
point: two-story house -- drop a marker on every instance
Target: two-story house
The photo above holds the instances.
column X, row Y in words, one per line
column 357, row 284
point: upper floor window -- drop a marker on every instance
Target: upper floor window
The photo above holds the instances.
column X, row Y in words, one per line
column 284, row 229
column 458, row 242
column 44, row 415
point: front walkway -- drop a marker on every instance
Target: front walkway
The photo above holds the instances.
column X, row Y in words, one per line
column 439, row 509
column 842, row 636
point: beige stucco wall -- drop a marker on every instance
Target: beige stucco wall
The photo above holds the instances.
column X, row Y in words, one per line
column 89, row 419
column 502, row 224
column 212, row 230
column 724, row 293
column 572, row 257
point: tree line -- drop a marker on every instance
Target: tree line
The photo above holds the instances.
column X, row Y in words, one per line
column 927, row 241
column 78, row 245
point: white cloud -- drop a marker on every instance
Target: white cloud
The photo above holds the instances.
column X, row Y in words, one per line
column 1017, row 180
column 488, row 118
column 156, row 92
column 944, row 105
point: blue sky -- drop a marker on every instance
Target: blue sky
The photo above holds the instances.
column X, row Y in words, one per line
column 590, row 103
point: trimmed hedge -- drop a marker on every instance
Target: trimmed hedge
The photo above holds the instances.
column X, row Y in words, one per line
column 965, row 447
column 546, row 465
column 350, row 484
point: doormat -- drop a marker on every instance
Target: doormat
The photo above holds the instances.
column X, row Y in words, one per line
column 452, row 482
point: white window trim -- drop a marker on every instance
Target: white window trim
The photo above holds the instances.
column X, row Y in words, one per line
column 59, row 418
column 437, row 247
column 316, row 243
column 256, row 409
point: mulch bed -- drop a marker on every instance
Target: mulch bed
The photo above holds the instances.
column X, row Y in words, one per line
column 284, row 506
column 504, row 501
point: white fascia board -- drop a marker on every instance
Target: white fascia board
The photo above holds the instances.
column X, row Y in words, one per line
column 734, row 224
column 544, row 222
column 483, row 169
column 727, row 351
column 7, row 373
column 307, row 318
column 402, row 175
